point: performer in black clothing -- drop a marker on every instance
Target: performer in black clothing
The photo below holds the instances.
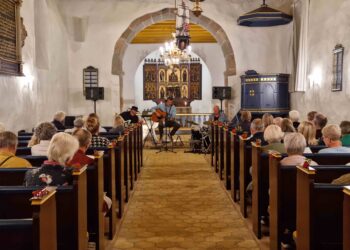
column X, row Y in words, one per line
column 131, row 115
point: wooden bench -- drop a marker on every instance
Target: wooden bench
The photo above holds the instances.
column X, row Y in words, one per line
column 36, row 161
column 108, row 183
column 234, row 165
column 212, row 145
column 23, row 151
column 227, row 158
column 260, row 176
column 221, row 153
column 245, row 161
column 26, row 225
column 346, row 218
column 71, row 208
column 283, row 196
column 319, row 208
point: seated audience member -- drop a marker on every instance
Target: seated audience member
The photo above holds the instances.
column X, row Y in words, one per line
column 118, row 127
column 54, row 172
column 308, row 130
column 80, row 159
column 58, row 120
column 320, row 122
column 44, row 132
column 218, row 115
column 78, row 123
column 257, row 131
column 2, row 127
column 244, row 123
column 295, row 145
column 345, row 133
column 84, row 138
column 287, row 126
column 100, row 129
column 294, row 116
column 278, row 121
column 273, row 135
column 93, row 125
column 131, row 115
column 8, row 146
column 331, row 137
column 267, row 120
column 311, row 116
column 342, row 180
column 33, row 141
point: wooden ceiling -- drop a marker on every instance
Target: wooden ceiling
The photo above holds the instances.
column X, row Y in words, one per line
column 161, row 32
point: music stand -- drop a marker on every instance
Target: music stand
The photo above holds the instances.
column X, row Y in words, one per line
column 150, row 130
column 164, row 145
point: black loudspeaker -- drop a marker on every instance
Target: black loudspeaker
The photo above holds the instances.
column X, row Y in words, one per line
column 94, row 93
column 221, row 93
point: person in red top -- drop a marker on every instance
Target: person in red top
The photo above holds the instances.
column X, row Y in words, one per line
column 80, row 158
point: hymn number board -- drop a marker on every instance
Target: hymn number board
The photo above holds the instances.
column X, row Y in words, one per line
column 183, row 82
column 10, row 37
column 90, row 78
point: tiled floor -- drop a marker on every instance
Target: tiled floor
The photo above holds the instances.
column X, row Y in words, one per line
column 180, row 204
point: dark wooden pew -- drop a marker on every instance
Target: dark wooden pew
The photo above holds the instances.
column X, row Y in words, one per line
column 283, row 196
column 216, row 147
column 108, row 182
column 125, row 163
column 221, row 153
column 245, row 161
column 34, row 160
column 26, row 225
column 260, row 176
column 234, row 165
column 319, row 208
column 23, row 151
column 71, row 208
column 227, row 158
column 346, row 218
column 119, row 175
column 213, row 143
column 130, row 158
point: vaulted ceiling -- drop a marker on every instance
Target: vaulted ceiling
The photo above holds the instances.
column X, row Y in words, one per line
column 161, row 32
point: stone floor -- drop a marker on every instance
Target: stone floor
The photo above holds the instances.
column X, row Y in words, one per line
column 180, row 204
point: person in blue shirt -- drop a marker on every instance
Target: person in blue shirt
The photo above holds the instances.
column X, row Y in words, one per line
column 218, row 115
column 169, row 121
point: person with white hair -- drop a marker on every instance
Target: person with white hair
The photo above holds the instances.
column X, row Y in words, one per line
column 2, row 127
column 331, row 137
column 295, row 145
column 8, row 146
column 78, row 124
column 58, row 120
column 43, row 133
column 218, row 115
column 54, row 171
column 273, row 135
column 294, row 116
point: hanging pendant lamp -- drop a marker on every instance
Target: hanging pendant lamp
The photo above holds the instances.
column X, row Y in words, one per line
column 264, row 17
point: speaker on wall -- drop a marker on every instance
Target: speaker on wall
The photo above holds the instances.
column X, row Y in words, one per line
column 94, row 93
column 221, row 93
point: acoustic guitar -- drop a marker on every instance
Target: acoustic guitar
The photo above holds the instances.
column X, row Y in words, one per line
column 158, row 115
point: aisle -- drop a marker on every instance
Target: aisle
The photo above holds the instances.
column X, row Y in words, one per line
column 180, row 204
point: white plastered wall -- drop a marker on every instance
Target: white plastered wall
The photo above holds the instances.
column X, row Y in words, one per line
column 24, row 101
column 329, row 23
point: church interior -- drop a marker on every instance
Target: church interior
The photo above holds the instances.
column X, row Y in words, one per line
column 174, row 124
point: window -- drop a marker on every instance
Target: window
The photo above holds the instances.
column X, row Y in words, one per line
column 338, row 53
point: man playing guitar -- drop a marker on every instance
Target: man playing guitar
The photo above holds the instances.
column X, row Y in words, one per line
column 168, row 117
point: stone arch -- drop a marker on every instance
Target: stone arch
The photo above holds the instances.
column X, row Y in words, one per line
column 168, row 14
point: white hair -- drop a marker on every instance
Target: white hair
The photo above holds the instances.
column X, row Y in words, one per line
column 2, row 127
column 62, row 148
column 294, row 115
column 59, row 116
column 294, row 143
column 273, row 133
